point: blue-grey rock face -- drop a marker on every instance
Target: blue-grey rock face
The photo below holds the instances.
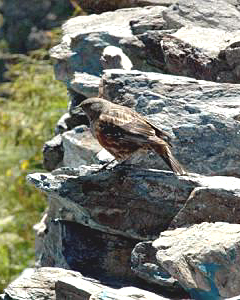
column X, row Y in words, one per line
column 202, row 116
column 204, row 258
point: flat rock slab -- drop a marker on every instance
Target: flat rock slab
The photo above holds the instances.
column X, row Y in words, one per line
column 79, row 147
column 85, row 288
column 206, row 13
column 204, row 258
column 37, row 284
column 209, row 205
column 97, row 6
column 203, row 116
column 132, row 202
column 85, row 38
column 58, row 284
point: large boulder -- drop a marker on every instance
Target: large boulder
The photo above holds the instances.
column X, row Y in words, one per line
column 98, row 6
column 187, row 52
column 205, row 13
column 56, row 283
column 86, row 37
column 204, row 258
column 117, row 208
column 196, row 113
column 201, row 116
column 152, row 42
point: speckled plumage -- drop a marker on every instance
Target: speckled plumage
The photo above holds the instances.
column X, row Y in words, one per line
column 122, row 131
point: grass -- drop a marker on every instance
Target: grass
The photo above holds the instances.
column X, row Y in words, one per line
column 27, row 119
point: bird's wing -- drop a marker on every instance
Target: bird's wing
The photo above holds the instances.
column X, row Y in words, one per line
column 127, row 125
column 161, row 133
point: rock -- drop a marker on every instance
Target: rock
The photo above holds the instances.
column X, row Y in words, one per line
column 204, row 258
column 205, row 13
column 40, row 230
column 220, row 39
column 86, row 288
column 37, row 284
column 85, row 84
column 209, row 205
column 38, row 39
column 114, row 58
column 145, row 265
column 187, row 52
column 56, row 283
column 79, row 147
column 108, row 212
column 69, row 121
column 145, row 23
column 53, row 153
column 86, row 37
column 196, row 113
column 103, row 208
column 98, row 6
column 153, row 43
column 62, row 124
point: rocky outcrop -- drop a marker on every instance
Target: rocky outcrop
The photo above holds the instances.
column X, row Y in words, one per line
column 153, row 42
column 105, row 222
column 196, row 113
column 98, row 6
column 204, row 258
column 211, row 14
column 57, row 283
column 119, row 208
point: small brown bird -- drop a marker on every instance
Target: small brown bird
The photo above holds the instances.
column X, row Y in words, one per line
column 122, row 131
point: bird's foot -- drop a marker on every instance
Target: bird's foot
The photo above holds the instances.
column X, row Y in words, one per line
column 106, row 166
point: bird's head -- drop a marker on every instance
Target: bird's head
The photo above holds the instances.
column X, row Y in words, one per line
column 93, row 107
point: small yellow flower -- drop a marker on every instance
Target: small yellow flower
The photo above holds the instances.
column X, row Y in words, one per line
column 9, row 173
column 24, row 164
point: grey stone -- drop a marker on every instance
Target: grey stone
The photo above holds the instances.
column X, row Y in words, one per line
column 37, row 284
column 85, row 84
column 201, row 116
column 187, row 52
column 85, row 37
column 205, row 13
column 53, row 153
column 114, row 58
column 62, row 124
column 55, row 283
column 40, row 230
column 204, row 258
column 86, row 288
column 35, row 20
column 152, row 21
column 98, row 6
column 209, row 205
column 127, row 293
column 117, row 208
column 145, row 265
column 199, row 37
column 70, row 120
column 79, row 147
column 101, row 198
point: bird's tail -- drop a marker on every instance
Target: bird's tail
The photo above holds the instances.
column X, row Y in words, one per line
column 164, row 151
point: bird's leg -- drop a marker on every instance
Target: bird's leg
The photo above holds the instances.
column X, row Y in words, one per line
column 104, row 167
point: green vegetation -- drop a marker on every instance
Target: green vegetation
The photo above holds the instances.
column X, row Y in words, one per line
column 28, row 115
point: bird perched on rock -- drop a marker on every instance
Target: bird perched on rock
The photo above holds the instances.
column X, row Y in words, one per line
column 122, row 131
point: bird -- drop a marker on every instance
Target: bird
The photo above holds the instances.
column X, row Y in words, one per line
column 122, row 132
